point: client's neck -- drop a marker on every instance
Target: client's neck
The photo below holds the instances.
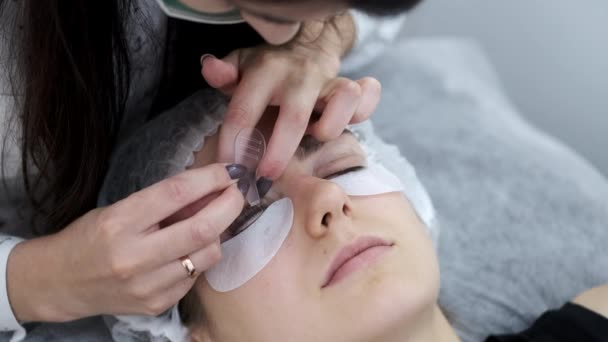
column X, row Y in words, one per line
column 443, row 330
column 432, row 327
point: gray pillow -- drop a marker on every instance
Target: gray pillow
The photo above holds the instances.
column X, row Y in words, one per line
column 523, row 218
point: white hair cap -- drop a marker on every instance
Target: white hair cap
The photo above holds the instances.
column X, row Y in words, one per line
column 165, row 147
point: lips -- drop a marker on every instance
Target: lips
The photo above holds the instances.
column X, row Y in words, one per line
column 358, row 247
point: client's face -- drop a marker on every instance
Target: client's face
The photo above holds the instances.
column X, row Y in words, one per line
column 299, row 295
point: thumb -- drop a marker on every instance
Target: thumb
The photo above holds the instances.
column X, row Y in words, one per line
column 222, row 74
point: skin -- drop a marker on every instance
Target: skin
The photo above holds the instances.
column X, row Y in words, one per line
column 277, row 24
column 116, row 249
column 595, row 299
column 296, row 70
column 393, row 299
column 99, row 268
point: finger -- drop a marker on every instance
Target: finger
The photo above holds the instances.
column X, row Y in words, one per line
column 195, row 233
column 154, row 204
column 296, row 108
column 371, row 91
column 343, row 100
column 222, row 74
column 154, row 304
column 174, row 272
column 172, row 295
column 248, row 103
column 189, row 210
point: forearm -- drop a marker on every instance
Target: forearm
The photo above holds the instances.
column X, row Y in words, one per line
column 31, row 277
column 8, row 322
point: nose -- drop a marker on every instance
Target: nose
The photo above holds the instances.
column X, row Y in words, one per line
column 273, row 33
column 325, row 206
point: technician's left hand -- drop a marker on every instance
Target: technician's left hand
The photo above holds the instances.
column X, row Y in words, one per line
column 300, row 77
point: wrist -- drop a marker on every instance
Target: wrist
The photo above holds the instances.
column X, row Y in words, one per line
column 336, row 35
column 31, row 280
column 329, row 40
column 345, row 28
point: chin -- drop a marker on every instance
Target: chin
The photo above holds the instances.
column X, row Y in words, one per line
column 386, row 311
column 396, row 298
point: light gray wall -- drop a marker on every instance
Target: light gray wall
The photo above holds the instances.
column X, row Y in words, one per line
column 552, row 56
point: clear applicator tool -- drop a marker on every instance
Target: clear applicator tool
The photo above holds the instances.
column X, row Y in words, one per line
column 249, row 149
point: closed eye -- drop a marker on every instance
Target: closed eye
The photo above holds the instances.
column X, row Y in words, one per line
column 345, row 171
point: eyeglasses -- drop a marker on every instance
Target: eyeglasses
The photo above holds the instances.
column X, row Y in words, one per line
column 176, row 9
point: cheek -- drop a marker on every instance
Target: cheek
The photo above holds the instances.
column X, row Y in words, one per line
column 394, row 211
column 415, row 263
column 277, row 279
column 420, row 257
column 260, row 304
column 408, row 286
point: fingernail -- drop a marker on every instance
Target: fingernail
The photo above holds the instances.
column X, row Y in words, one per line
column 244, row 185
column 205, row 56
column 263, row 184
column 236, row 171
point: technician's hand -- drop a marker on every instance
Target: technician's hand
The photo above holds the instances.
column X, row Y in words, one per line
column 118, row 260
column 299, row 77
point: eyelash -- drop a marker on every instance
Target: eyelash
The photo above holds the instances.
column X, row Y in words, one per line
column 251, row 214
column 248, row 217
column 345, row 171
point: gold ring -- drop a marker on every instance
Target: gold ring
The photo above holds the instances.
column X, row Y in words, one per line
column 188, row 266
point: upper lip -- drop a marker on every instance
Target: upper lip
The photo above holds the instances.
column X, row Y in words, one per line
column 350, row 251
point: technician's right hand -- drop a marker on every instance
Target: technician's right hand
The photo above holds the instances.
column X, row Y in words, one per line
column 118, row 260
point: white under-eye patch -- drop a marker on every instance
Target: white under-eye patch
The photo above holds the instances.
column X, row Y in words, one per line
column 246, row 254
column 249, row 252
column 372, row 180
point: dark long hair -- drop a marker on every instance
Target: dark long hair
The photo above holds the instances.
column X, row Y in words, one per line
column 70, row 70
column 69, row 67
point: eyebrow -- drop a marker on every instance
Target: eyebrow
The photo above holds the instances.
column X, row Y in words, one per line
column 309, row 145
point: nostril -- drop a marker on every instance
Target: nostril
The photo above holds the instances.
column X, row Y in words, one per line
column 325, row 220
column 346, row 210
